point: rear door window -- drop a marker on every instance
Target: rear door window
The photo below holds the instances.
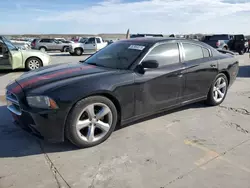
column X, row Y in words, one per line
column 45, row 40
column 192, row 52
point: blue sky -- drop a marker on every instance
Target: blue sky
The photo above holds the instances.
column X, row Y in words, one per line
column 116, row 16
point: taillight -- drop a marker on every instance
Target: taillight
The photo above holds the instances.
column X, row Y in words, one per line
column 218, row 43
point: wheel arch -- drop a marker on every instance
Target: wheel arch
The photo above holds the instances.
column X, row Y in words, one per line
column 43, row 47
column 226, row 74
column 26, row 61
column 79, row 48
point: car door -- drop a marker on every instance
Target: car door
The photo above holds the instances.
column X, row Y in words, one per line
column 160, row 88
column 4, row 55
column 90, row 45
column 11, row 55
column 200, row 69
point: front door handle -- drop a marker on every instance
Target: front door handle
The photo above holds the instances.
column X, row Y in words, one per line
column 212, row 65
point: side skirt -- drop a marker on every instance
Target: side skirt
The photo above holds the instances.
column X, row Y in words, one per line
column 135, row 118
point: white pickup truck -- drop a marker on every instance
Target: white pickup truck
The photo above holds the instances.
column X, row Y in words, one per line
column 91, row 45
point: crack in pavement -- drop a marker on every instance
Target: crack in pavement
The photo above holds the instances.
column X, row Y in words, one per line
column 237, row 110
column 94, row 178
column 205, row 163
column 237, row 127
column 53, row 169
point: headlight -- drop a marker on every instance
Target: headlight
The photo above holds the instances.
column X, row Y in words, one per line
column 43, row 102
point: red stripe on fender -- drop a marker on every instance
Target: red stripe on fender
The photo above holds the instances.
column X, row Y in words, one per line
column 49, row 76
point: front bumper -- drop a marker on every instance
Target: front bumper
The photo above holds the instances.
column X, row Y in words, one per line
column 48, row 125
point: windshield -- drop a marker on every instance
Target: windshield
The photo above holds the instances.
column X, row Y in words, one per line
column 119, row 55
column 9, row 44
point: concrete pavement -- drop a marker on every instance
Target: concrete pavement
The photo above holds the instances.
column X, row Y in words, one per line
column 194, row 146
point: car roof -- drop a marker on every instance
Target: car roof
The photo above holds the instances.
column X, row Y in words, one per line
column 154, row 40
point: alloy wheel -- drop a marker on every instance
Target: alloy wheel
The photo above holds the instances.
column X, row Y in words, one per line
column 78, row 52
column 219, row 89
column 33, row 64
column 94, row 122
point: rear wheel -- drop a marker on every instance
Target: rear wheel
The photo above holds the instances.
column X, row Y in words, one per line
column 33, row 63
column 218, row 90
column 91, row 121
column 241, row 51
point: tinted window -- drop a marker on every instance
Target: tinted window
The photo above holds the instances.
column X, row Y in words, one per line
column 220, row 37
column 205, row 52
column 165, row 54
column 91, row 41
column 98, row 40
column 45, row 40
column 239, row 37
column 192, row 52
column 118, row 55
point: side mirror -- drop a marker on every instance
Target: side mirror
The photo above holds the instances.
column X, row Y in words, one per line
column 150, row 64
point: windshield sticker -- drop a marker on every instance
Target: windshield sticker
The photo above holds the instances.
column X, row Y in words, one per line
column 136, row 47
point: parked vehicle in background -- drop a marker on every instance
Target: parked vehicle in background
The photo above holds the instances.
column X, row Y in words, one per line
column 91, row 45
column 218, row 41
column 12, row 57
column 227, row 42
column 126, row 81
column 47, row 44
column 145, row 35
column 246, row 45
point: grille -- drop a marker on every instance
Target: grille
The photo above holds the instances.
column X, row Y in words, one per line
column 12, row 103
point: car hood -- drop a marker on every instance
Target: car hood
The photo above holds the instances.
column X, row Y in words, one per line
column 55, row 73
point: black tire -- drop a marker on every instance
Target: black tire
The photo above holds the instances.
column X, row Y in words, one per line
column 241, row 51
column 35, row 59
column 72, row 53
column 65, row 49
column 225, row 48
column 42, row 48
column 210, row 98
column 78, row 51
column 71, row 132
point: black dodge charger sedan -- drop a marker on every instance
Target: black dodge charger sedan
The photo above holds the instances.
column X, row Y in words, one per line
column 125, row 81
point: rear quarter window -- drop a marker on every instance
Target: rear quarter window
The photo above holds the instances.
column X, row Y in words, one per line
column 206, row 52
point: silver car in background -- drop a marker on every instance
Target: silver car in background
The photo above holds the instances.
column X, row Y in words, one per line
column 47, row 44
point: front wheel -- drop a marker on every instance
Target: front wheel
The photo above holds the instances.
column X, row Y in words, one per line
column 91, row 121
column 78, row 51
column 242, row 51
column 218, row 90
column 71, row 53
